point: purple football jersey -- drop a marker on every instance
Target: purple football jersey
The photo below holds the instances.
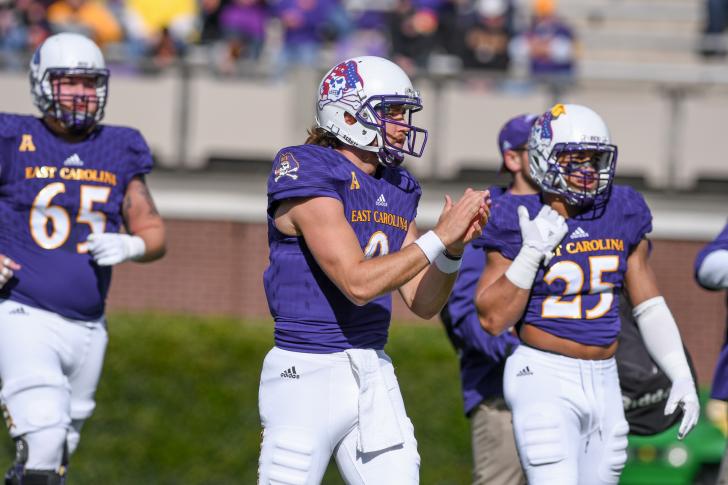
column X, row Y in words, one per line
column 574, row 297
column 310, row 313
column 52, row 194
column 720, row 378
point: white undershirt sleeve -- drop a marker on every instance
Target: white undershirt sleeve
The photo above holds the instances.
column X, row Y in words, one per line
column 713, row 272
column 662, row 338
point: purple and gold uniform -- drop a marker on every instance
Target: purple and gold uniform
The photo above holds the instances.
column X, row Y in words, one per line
column 311, row 314
column 720, row 379
column 587, row 271
column 53, row 193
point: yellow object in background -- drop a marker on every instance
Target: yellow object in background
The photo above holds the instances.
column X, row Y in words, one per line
column 159, row 14
column 89, row 15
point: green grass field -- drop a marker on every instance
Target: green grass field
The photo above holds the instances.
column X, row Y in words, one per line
column 177, row 403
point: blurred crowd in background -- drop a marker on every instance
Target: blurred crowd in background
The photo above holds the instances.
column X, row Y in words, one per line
column 236, row 37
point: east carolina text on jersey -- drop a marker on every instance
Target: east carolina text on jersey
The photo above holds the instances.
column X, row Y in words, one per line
column 367, row 215
column 590, row 246
column 67, row 173
column 55, row 193
column 310, row 313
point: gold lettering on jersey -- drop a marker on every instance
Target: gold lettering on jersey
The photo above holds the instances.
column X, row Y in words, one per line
column 361, row 215
column 391, row 220
column 354, row 182
column 42, row 172
column 88, row 175
column 69, row 173
column 592, row 245
column 26, row 144
column 366, row 215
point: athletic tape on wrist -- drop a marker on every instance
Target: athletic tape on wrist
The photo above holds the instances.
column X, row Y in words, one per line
column 137, row 247
column 524, row 267
column 447, row 264
column 431, row 245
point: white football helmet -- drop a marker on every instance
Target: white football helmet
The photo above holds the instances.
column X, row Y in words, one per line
column 365, row 87
column 569, row 129
column 68, row 54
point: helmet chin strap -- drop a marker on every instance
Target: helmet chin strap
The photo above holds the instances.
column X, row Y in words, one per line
column 390, row 158
column 386, row 155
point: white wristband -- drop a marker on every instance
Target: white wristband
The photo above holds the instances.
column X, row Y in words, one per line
column 136, row 247
column 524, row 267
column 447, row 264
column 431, row 245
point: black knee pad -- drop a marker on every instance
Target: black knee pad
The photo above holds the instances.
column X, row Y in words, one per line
column 19, row 475
column 36, row 477
column 14, row 475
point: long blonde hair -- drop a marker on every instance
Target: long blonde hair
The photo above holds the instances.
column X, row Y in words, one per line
column 319, row 136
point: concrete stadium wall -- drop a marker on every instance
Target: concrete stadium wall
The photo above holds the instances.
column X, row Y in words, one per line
column 216, row 268
column 667, row 135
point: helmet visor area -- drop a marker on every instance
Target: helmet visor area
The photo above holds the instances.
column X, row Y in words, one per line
column 582, row 172
column 391, row 116
column 77, row 96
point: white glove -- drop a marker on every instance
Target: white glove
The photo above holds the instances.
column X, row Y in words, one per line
column 108, row 249
column 683, row 394
column 544, row 232
column 662, row 339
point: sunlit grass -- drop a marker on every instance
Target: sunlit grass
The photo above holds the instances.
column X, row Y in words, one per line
column 177, row 403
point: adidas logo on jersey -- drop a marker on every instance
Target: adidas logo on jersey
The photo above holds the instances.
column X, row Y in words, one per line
column 524, row 372
column 290, row 373
column 579, row 233
column 381, row 201
column 18, row 311
column 73, row 161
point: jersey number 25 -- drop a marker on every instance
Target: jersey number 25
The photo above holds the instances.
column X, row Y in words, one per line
column 573, row 277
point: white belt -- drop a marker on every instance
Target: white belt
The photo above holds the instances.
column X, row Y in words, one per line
column 378, row 423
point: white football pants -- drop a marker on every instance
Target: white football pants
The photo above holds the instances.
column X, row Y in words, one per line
column 310, row 409
column 568, row 418
column 49, row 367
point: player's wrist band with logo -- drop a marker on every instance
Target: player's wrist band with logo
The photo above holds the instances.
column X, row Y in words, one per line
column 431, row 245
column 448, row 263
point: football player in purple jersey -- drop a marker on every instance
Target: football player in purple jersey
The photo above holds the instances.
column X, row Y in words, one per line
column 342, row 236
column 555, row 266
column 482, row 356
column 67, row 184
column 711, row 272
